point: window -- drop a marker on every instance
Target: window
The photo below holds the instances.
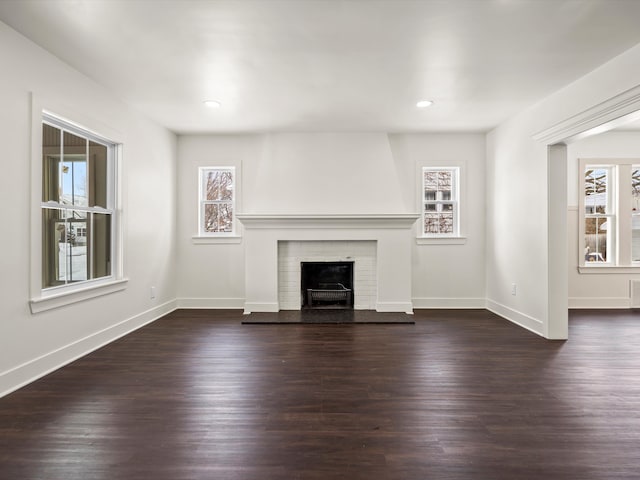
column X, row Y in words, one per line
column 600, row 220
column 440, row 212
column 217, row 201
column 610, row 222
column 78, row 205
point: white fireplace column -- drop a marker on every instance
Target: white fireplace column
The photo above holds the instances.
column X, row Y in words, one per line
column 392, row 234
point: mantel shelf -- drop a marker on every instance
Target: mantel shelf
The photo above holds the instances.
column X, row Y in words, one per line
column 275, row 221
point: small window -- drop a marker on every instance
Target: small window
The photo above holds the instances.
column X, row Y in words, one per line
column 78, row 205
column 440, row 215
column 217, row 201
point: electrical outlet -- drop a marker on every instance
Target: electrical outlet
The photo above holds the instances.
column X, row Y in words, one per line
column 153, row 293
column 513, row 289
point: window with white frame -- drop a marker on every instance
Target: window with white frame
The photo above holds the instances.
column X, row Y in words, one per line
column 217, row 201
column 440, row 201
column 610, row 206
column 78, row 205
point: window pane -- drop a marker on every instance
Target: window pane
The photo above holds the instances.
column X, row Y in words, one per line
column 99, row 235
column 226, row 217
column 218, row 218
column 430, row 181
column 64, row 257
column 447, row 207
column 219, row 185
column 77, row 265
column 444, row 181
column 635, row 214
column 211, row 216
column 430, row 207
column 98, row 182
column 53, row 248
column 50, row 163
column 635, row 237
column 446, row 222
column 74, row 170
column 596, row 239
column 595, row 189
column 431, row 223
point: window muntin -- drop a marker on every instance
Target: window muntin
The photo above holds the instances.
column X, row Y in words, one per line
column 217, row 201
column 78, row 195
column 440, row 201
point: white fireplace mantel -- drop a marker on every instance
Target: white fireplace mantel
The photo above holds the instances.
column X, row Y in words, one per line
column 392, row 234
column 279, row 221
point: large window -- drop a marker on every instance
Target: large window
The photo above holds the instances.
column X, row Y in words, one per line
column 440, row 213
column 610, row 205
column 78, row 197
column 217, row 201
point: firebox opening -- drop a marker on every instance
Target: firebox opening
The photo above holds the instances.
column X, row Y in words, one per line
column 327, row 285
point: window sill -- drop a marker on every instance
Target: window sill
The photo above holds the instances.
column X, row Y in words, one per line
column 441, row 240
column 205, row 240
column 49, row 302
column 608, row 269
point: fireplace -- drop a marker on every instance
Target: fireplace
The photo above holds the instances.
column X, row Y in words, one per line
column 326, row 285
column 378, row 244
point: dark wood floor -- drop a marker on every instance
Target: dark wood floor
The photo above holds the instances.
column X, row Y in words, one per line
column 459, row 395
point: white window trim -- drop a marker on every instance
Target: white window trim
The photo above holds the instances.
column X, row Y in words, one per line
column 441, row 240
column 222, row 239
column 206, row 238
column 621, row 262
column 457, row 238
column 40, row 299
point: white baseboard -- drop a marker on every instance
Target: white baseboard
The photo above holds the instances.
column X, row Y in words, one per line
column 32, row 370
column 522, row 319
column 404, row 307
column 453, row 303
column 599, row 302
column 260, row 307
column 211, row 303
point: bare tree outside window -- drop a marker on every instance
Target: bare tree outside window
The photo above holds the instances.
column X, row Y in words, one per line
column 440, row 201
column 217, row 204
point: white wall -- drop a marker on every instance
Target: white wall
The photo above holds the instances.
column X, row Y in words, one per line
column 447, row 275
column 32, row 344
column 324, row 173
column 517, row 220
column 602, row 290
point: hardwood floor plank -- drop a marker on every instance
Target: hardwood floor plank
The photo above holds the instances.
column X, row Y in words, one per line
column 458, row 395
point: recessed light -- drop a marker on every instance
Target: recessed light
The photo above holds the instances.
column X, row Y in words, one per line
column 424, row 103
column 212, row 104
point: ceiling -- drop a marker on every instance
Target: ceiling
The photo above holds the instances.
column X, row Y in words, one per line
column 329, row 65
